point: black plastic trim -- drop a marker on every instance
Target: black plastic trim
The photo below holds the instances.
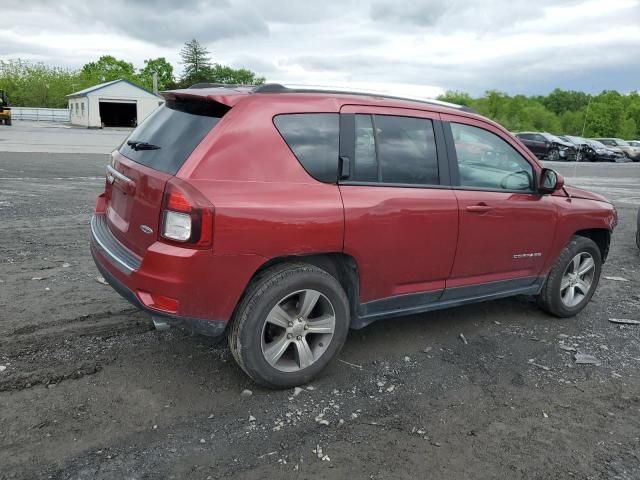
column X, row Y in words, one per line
column 424, row 302
column 396, row 185
column 211, row 328
column 444, row 170
column 347, row 143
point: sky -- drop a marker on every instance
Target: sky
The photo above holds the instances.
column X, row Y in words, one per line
column 411, row 47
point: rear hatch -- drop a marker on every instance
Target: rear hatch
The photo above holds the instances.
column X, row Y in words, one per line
column 151, row 156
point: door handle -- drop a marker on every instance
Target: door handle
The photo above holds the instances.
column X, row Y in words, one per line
column 480, row 208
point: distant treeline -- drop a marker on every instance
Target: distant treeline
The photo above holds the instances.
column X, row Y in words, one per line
column 562, row 112
column 608, row 114
column 31, row 84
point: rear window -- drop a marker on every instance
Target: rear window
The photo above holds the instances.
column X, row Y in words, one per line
column 177, row 127
column 314, row 140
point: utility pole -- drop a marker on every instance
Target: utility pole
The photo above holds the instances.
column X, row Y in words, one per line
column 584, row 125
column 154, row 79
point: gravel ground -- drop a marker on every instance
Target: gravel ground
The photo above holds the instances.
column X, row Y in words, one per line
column 91, row 391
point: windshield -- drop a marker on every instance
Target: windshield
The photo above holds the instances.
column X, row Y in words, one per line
column 553, row 138
column 595, row 144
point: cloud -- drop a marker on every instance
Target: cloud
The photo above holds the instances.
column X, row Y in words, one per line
column 427, row 45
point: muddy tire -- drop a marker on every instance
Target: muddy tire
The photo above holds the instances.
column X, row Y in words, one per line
column 573, row 279
column 292, row 321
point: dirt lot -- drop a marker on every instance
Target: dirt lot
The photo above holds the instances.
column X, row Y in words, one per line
column 91, row 391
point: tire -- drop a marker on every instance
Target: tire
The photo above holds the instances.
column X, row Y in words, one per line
column 284, row 288
column 551, row 298
column 8, row 122
column 553, row 155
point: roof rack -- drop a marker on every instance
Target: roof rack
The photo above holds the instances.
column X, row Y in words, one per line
column 279, row 88
column 230, row 86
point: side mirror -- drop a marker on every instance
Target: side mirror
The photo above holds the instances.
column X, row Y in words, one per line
column 550, row 181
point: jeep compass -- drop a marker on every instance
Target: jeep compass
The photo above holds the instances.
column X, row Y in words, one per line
column 283, row 217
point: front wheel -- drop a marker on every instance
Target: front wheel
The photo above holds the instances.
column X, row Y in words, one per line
column 573, row 279
column 553, row 155
column 291, row 323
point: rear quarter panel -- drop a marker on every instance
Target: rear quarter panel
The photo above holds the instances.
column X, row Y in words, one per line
column 265, row 202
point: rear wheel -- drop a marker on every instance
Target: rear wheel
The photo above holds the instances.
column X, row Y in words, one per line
column 573, row 279
column 291, row 323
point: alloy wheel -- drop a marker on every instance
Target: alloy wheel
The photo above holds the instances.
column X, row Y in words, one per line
column 298, row 330
column 577, row 279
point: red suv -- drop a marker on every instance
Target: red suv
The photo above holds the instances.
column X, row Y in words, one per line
column 284, row 217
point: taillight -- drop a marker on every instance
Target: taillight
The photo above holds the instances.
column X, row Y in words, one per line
column 187, row 216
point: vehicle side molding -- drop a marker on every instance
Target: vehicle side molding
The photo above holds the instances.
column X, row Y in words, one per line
column 428, row 301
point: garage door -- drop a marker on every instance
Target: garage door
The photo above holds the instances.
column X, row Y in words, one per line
column 120, row 113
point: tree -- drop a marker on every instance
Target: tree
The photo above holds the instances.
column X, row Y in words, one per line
column 459, row 98
column 605, row 115
column 106, row 69
column 164, row 70
column 240, row 76
column 560, row 101
column 198, row 69
column 196, row 61
column 36, row 84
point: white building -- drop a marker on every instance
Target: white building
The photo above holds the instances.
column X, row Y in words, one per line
column 119, row 103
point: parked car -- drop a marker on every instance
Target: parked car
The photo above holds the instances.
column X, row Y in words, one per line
column 605, row 153
column 584, row 151
column 630, row 151
column 283, row 217
column 548, row 147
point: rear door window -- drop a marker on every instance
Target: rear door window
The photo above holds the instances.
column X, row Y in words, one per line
column 395, row 150
column 314, row 139
column 177, row 128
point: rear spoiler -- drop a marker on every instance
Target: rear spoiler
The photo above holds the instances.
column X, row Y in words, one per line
column 225, row 96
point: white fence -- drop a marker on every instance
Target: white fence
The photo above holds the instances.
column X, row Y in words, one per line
column 40, row 114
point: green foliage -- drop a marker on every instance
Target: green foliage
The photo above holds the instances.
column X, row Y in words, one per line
column 106, row 69
column 39, row 85
column 560, row 101
column 240, row 76
column 36, row 84
column 198, row 69
column 563, row 112
column 164, row 70
column 196, row 61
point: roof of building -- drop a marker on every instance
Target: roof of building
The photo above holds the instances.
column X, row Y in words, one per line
column 86, row 91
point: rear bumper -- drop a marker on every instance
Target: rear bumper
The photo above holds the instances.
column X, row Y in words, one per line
column 211, row 328
column 165, row 270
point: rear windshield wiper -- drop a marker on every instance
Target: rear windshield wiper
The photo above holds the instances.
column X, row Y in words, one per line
column 138, row 145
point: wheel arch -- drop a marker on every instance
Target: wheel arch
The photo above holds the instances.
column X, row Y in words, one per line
column 341, row 266
column 601, row 237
